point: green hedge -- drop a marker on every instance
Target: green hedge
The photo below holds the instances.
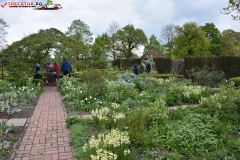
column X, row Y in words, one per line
column 230, row 65
column 164, row 76
column 162, row 65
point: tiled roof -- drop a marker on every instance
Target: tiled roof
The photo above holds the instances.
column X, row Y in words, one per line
column 154, row 53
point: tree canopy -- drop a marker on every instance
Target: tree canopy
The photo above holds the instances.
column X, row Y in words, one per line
column 129, row 39
column 80, row 31
column 190, row 41
column 21, row 55
column 3, row 33
column 231, row 42
column 153, row 44
column 214, row 35
column 233, row 6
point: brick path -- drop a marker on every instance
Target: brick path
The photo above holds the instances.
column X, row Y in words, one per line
column 46, row 137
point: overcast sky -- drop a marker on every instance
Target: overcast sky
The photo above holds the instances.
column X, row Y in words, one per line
column 149, row 15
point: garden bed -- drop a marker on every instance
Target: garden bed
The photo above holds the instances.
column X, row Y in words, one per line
column 15, row 137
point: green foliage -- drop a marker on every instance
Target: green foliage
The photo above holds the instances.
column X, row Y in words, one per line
column 80, row 31
column 118, row 91
column 232, row 6
column 79, row 136
column 206, row 76
column 139, row 82
column 38, row 82
column 71, row 121
column 193, row 135
column 213, row 34
column 3, row 26
column 230, row 42
column 190, row 41
column 136, row 122
column 109, row 116
column 12, row 129
column 94, row 79
column 154, row 44
column 100, row 48
column 13, row 139
column 130, row 38
column 4, row 86
column 37, row 47
column 108, row 145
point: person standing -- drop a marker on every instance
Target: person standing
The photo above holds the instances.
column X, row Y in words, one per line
column 56, row 69
column 66, row 68
column 48, row 67
column 37, row 70
column 148, row 67
column 135, row 69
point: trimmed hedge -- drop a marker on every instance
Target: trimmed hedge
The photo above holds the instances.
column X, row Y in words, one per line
column 162, row 65
column 164, row 76
column 230, row 65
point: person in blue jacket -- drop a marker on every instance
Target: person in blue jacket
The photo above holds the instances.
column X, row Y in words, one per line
column 37, row 70
column 66, row 67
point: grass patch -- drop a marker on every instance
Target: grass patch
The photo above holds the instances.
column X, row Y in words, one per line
column 80, row 133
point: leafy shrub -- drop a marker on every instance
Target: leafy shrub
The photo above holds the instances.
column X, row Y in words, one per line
column 4, row 86
column 38, row 81
column 206, row 76
column 95, row 81
column 118, row 91
column 72, row 120
column 12, row 129
column 136, row 122
column 193, row 135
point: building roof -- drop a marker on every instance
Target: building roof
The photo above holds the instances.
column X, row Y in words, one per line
column 154, row 53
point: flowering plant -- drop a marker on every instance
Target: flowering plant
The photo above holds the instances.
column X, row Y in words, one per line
column 109, row 116
column 110, row 146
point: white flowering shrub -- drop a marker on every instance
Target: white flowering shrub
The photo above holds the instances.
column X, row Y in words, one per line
column 77, row 95
column 67, row 84
column 18, row 98
column 117, row 91
column 110, row 146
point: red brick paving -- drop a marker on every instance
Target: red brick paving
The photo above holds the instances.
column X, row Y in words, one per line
column 47, row 137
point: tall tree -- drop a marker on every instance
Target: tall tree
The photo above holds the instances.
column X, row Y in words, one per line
column 99, row 50
column 112, row 41
column 80, row 31
column 231, row 42
column 167, row 34
column 233, row 6
column 100, row 47
column 190, row 41
column 153, row 44
column 3, row 33
column 214, row 35
column 21, row 55
column 129, row 39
